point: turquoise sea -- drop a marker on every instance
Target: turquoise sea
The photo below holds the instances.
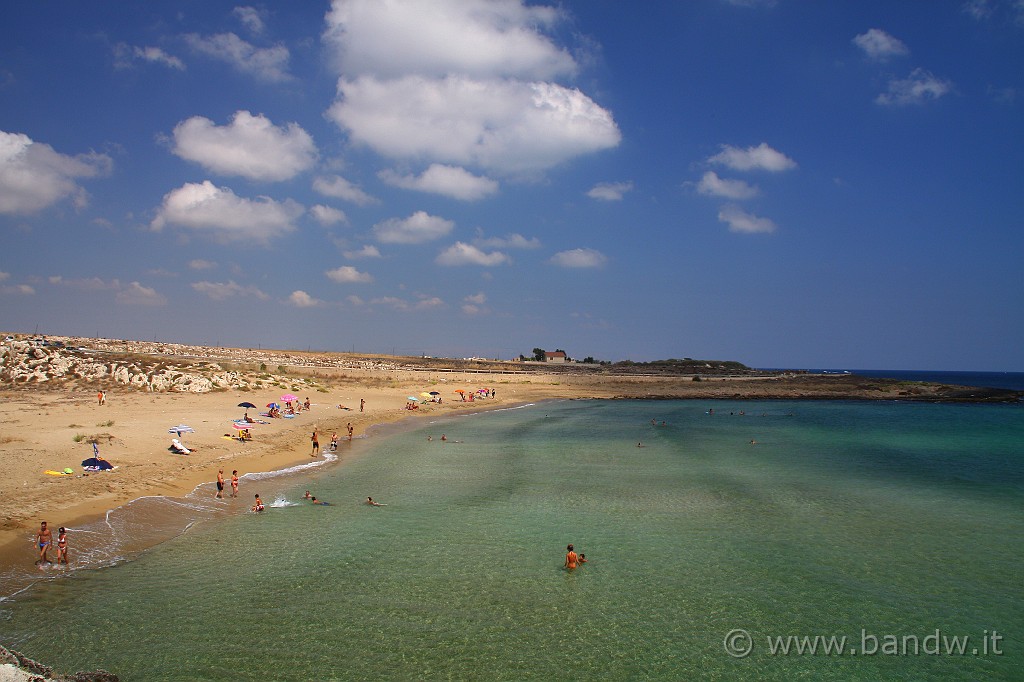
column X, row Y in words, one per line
column 899, row 526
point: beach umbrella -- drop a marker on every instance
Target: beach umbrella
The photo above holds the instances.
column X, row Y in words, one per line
column 425, row 394
column 434, row 393
column 411, row 397
column 288, row 397
column 272, row 405
column 459, row 390
column 241, row 427
column 247, row 405
column 180, row 429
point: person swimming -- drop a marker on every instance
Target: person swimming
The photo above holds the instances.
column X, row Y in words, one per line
column 372, row 503
column 316, row 501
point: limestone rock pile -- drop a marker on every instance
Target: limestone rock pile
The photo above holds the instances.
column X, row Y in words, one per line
column 22, row 362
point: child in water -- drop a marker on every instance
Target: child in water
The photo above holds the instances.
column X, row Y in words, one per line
column 258, row 506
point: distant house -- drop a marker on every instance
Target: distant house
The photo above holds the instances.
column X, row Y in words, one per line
column 557, row 356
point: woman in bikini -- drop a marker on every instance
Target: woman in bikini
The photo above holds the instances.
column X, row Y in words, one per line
column 62, row 546
column 571, row 560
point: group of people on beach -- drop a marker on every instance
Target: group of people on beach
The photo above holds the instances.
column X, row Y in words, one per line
column 44, row 539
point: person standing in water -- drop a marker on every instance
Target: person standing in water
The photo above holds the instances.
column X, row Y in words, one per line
column 62, row 546
column 571, row 560
column 234, row 483
column 220, row 484
column 43, row 539
column 316, row 444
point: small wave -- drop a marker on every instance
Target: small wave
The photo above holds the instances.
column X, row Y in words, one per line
column 282, row 502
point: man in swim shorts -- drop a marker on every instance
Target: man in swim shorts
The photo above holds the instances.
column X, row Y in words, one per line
column 220, row 484
column 571, row 560
column 43, row 538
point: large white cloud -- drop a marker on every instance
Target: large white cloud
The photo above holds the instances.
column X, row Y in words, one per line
column 450, row 181
column 480, row 38
column 504, row 125
column 250, row 146
column 461, row 82
column 715, row 186
column 418, row 228
column 879, row 45
column 34, row 176
column 739, row 220
column 461, row 253
column 266, row 63
column 920, row 86
column 761, row 157
column 221, row 213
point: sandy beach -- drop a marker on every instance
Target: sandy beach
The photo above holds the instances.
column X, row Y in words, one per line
column 50, row 425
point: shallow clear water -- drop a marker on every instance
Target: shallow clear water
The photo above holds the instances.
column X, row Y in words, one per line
column 855, row 519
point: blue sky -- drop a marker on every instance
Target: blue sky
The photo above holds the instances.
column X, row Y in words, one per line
column 787, row 184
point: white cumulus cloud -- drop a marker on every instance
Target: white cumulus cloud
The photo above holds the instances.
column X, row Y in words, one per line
column 920, row 86
column 250, row 146
column 761, row 157
column 579, row 258
column 368, row 251
column 461, row 253
column 126, row 55
column 509, row 241
column 137, row 294
column 502, row 125
column 340, row 188
column 610, row 191
column 879, row 45
column 266, row 63
column 300, row 299
column 347, row 274
column 418, row 228
column 712, row 185
column 251, row 18
column 220, row 291
column 481, row 38
column 739, row 220
column 219, row 212
column 326, row 215
column 34, row 176
column 450, row 181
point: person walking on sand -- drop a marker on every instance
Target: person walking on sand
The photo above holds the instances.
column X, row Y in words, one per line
column 571, row 560
column 220, row 484
column 43, row 539
column 62, row 546
column 101, row 398
column 362, row 404
column 234, row 483
column 316, row 445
